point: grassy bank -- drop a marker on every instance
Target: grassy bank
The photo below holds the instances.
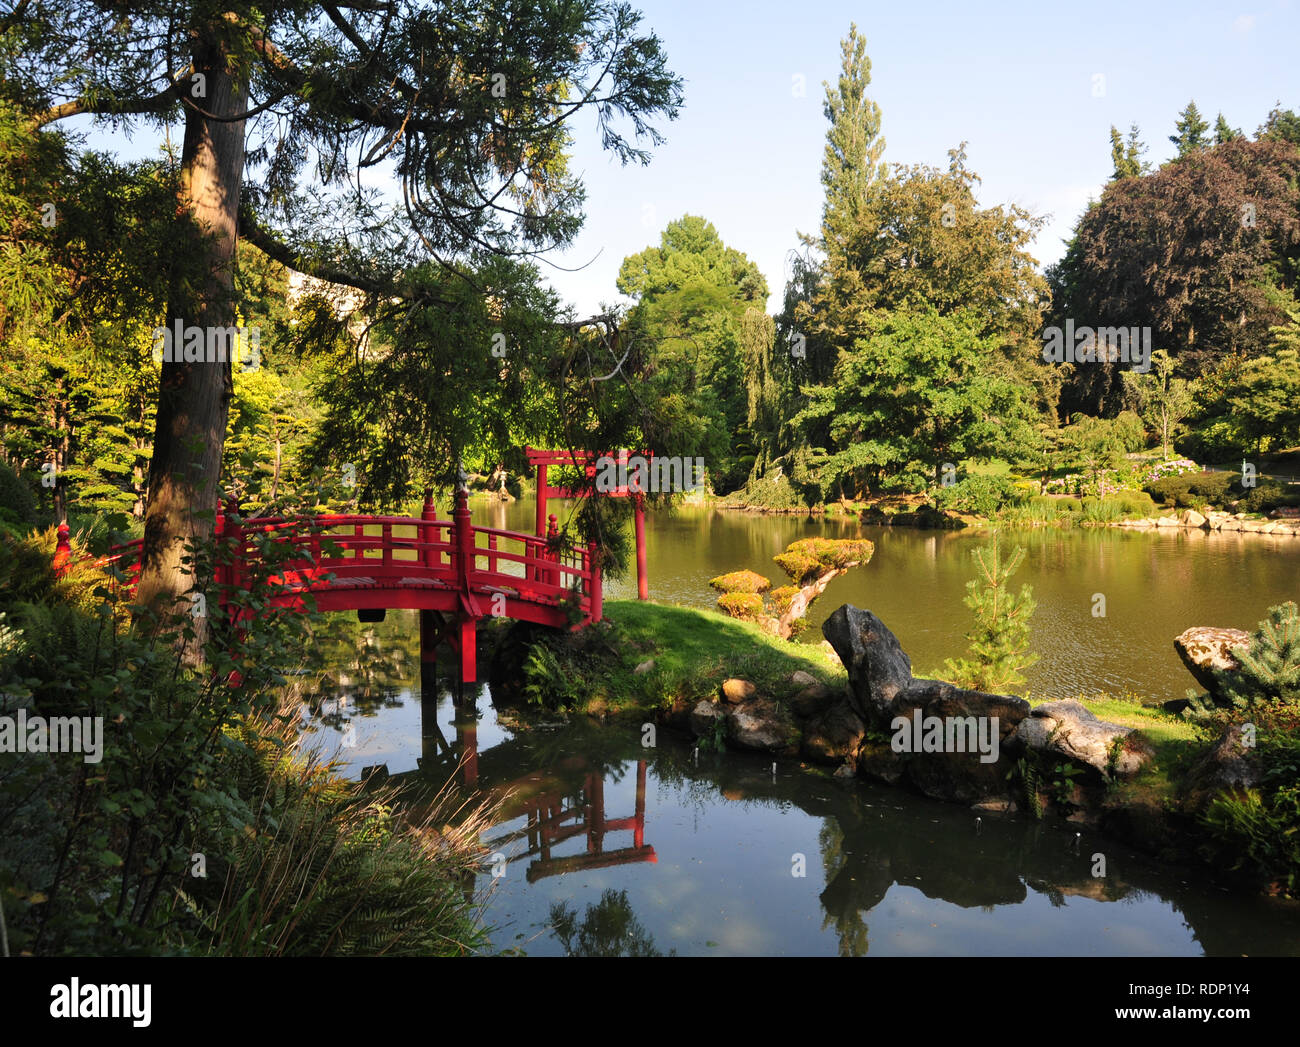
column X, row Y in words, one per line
column 646, row 657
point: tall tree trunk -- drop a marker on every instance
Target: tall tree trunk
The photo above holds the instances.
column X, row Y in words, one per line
column 194, row 396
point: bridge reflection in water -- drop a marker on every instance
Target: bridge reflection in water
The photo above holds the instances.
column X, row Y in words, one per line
column 559, row 805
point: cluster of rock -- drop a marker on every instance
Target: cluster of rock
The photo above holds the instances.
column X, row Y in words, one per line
column 1215, row 520
column 852, row 728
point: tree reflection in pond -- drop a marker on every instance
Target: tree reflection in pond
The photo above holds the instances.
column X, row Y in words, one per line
column 610, row 928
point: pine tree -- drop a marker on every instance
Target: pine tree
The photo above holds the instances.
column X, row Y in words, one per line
column 1126, row 156
column 999, row 641
column 1191, row 128
column 1270, row 665
column 1224, row 133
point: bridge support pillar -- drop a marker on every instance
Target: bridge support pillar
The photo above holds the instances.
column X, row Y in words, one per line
column 468, row 650
column 430, row 625
column 642, row 582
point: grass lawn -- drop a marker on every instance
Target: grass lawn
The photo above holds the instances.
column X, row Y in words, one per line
column 693, row 652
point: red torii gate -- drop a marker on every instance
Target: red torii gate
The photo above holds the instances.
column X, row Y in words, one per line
column 586, row 460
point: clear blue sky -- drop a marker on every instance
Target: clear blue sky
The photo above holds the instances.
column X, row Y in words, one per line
column 1014, row 80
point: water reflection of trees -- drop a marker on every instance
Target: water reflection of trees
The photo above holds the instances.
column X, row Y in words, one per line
column 608, row 928
column 356, row 669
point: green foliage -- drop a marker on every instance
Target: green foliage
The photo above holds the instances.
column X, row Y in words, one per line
column 1162, row 400
column 1258, row 830
column 1270, row 665
column 1095, row 446
column 1169, row 250
column 741, row 582
column 999, row 640
column 1126, row 156
column 95, row 852
column 694, row 300
column 1266, row 496
column 748, row 607
column 780, row 597
column 806, row 558
column 326, row 870
column 549, row 681
column 1193, row 490
column 17, row 503
column 1190, row 130
column 919, row 391
column 979, row 495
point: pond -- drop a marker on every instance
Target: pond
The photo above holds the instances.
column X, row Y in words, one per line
column 605, row 846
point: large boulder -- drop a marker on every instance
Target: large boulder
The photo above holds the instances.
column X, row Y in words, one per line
column 813, row 699
column 833, row 736
column 1207, row 652
column 878, row 667
column 704, row 716
column 878, row 761
column 960, row 772
column 1068, row 729
column 1231, row 763
column 761, row 726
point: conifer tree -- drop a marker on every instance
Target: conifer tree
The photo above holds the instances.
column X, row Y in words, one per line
column 1191, row 128
column 999, row 640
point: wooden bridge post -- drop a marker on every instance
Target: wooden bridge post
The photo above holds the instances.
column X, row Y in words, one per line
column 552, row 552
column 463, row 529
column 642, row 583
column 232, row 532
column 597, row 609
column 541, row 500
column 429, row 621
column 429, row 530
column 232, row 535
column 62, row 552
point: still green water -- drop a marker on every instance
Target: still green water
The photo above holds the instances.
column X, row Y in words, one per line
column 606, row 846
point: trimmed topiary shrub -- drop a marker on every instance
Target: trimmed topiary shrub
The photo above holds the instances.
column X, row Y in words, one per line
column 748, row 607
column 741, row 582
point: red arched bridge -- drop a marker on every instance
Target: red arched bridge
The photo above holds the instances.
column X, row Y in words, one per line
column 450, row 570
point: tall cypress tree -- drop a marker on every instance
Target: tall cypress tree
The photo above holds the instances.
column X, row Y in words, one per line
column 851, row 163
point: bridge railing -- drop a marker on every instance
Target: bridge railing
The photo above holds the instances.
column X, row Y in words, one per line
column 339, row 549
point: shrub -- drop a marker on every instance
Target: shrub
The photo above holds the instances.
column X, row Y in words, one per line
column 17, row 502
column 741, row 582
column 1192, row 490
column 1259, row 829
column 807, row 558
column 780, row 598
column 979, row 495
column 1266, row 496
column 747, row 607
column 999, row 638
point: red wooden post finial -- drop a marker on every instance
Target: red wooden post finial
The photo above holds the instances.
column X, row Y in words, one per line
column 62, row 551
